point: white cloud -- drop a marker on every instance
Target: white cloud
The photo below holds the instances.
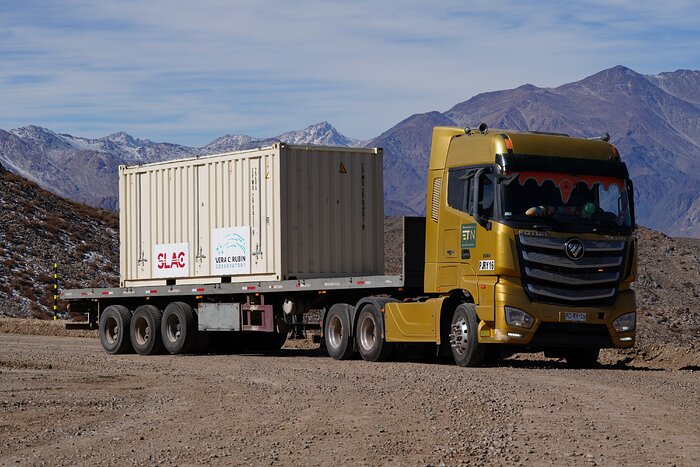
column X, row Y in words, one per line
column 190, row 71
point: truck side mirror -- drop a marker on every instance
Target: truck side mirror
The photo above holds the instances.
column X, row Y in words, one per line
column 476, row 187
column 630, row 201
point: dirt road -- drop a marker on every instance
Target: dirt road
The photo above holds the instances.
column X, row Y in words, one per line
column 64, row 401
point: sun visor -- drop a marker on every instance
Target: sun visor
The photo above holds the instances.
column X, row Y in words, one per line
column 531, row 163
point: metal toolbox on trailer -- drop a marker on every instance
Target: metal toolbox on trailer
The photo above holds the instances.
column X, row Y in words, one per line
column 269, row 214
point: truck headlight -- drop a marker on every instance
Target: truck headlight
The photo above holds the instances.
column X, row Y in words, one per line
column 518, row 318
column 625, row 322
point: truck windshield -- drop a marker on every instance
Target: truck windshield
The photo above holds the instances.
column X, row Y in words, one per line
column 559, row 198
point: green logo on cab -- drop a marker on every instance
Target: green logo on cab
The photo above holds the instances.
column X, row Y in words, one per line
column 468, row 236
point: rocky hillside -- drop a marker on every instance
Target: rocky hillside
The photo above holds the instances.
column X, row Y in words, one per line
column 40, row 228
column 668, row 288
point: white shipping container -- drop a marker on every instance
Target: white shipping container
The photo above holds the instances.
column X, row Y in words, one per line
column 269, row 214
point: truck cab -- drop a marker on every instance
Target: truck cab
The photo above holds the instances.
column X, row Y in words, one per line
column 530, row 236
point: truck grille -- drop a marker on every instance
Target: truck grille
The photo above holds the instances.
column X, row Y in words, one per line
column 550, row 276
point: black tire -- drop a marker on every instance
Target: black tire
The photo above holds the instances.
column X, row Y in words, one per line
column 582, row 358
column 179, row 328
column 114, row 328
column 145, row 330
column 369, row 335
column 336, row 333
column 466, row 349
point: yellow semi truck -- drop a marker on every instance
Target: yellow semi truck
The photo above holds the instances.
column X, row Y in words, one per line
column 526, row 246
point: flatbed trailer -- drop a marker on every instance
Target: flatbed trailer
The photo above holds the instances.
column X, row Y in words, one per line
column 274, row 307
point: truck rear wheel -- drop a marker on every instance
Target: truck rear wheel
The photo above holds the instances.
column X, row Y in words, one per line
column 466, row 349
column 179, row 328
column 369, row 335
column 114, row 329
column 582, row 358
column 145, row 330
column 336, row 332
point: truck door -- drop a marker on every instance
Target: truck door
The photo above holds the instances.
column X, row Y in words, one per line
column 465, row 241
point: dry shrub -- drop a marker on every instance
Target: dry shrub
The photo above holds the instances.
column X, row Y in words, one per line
column 38, row 311
column 45, row 278
column 81, row 249
column 54, row 224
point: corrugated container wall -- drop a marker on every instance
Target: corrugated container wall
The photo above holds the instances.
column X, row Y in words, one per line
column 277, row 213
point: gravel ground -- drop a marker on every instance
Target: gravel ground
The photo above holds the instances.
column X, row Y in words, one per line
column 64, row 401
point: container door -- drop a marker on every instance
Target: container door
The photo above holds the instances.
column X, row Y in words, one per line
column 201, row 244
column 143, row 219
column 257, row 266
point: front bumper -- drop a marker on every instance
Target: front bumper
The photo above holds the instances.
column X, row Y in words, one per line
column 551, row 329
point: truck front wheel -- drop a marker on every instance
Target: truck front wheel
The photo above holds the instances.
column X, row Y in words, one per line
column 370, row 335
column 466, row 349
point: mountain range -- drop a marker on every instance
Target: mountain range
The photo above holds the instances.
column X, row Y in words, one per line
column 654, row 120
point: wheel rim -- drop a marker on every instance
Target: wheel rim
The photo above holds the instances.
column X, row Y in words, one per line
column 368, row 333
column 173, row 328
column 111, row 330
column 335, row 331
column 142, row 331
column 458, row 337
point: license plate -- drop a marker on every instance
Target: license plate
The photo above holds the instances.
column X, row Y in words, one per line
column 573, row 316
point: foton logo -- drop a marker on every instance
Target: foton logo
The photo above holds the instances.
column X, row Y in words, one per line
column 575, row 249
column 177, row 261
column 171, row 260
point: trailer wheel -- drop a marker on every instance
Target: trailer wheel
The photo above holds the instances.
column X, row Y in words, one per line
column 582, row 358
column 337, row 334
column 179, row 328
column 369, row 335
column 114, row 329
column 466, row 349
column 145, row 330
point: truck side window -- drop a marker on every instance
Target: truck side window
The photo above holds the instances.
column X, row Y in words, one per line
column 459, row 190
column 486, row 196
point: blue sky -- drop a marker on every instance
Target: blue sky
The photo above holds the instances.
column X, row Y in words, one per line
column 188, row 72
